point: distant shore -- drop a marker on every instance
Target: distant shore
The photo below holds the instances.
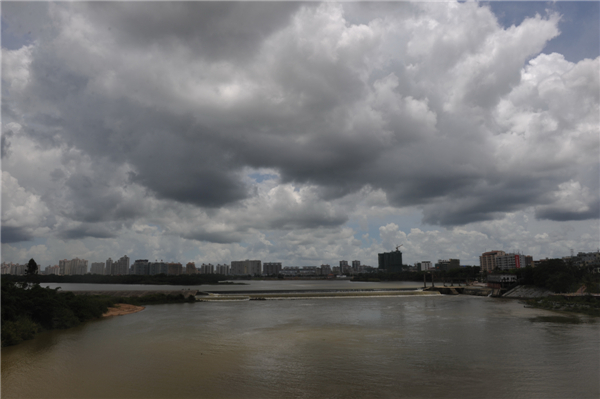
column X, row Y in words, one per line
column 121, row 309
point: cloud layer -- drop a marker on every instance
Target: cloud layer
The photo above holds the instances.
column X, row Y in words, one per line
column 232, row 123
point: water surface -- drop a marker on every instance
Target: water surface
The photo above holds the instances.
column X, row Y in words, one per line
column 401, row 347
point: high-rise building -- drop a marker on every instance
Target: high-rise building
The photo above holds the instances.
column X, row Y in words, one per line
column 207, row 269
column 325, row 270
column 345, row 267
column 175, row 269
column 140, row 267
column 108, row 269
column 74, row 266
column 487, row 260
column 510, row 261
column 270, row 268
column 158, row 268
column 222, row 269
column 13, row 268
column 122, row 265
column 79, row 266
column 64, row 267
column 448, row 264
column 53, row 270
column 97, row 268
column 246, row 267
column 390, row 261
column 190, row 268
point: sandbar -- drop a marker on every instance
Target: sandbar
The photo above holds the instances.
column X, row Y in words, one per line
column 121, row 309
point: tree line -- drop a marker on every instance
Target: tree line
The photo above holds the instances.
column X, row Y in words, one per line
column 558, row 276
column 157, row 279
column 28, row 308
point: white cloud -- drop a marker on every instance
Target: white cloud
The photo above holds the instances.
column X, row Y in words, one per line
column 144, row 138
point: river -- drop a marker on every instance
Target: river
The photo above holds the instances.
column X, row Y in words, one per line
column 379, row 347
column 245, row 285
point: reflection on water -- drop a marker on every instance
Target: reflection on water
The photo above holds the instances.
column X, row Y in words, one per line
column 414, row 347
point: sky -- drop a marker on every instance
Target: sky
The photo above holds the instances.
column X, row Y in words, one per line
column 301, row 133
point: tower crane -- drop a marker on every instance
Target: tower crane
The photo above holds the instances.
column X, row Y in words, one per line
column 398, row 246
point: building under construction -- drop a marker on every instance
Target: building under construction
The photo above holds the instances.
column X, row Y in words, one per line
column 391, row 262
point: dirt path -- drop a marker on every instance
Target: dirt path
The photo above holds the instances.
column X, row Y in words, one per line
column 122, row 308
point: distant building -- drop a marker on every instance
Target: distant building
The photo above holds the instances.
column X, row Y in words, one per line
column 223, row 269
column 119, row 267
column 390, row 262
column 13, row 268
column 426, row 265
column 270, row 268
column 53, row 270
column 207, row 269
column 587, row 259
column 447, row 264
column 175, row 269
column 528, row 261
column 97, row 268
column 141, row 267
column 344, row 267
column 510, row 261
column 190, row 268
column 64, row 267
column 108, row 267
column 74, row 266
column 310, row 271
column 157, row 268
column 325, row 270
column 246, row 267
column 487, row 260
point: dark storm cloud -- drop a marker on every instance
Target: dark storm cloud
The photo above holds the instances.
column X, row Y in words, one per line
column 12, row 234
column 96, row 200
column 88, row 230
column 217, row 238
column 214, row 30
column 561, row 215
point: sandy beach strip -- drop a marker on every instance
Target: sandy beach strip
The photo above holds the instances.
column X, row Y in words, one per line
column 121, row 309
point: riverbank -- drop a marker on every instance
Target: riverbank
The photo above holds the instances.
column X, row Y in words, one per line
column 585, row 304
column 312, row 294
column 121, row 309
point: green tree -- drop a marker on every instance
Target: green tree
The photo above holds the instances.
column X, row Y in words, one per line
column 32, row 268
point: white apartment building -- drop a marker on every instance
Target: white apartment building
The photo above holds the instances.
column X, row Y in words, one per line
column 207, row 269
column 426, row 265
column 97, row 268
column 223, row 269
column 74, row 266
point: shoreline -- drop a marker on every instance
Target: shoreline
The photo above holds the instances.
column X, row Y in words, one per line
column 121, row 309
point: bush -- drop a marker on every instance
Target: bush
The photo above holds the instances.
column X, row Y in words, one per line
column 19, row 330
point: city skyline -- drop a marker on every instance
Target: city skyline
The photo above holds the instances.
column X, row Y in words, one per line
column 302, row 133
